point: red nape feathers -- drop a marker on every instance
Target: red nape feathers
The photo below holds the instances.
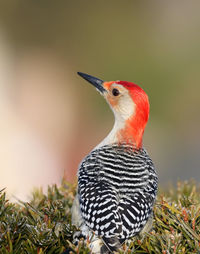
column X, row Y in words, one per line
column 139, row 97
column 135, row 125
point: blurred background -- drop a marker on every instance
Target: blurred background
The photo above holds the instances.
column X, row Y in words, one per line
column 50, row 118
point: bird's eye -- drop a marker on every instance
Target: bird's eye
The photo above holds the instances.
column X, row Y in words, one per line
column 115, row 92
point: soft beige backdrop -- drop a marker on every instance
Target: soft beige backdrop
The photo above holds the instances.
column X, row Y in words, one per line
column 50, row 118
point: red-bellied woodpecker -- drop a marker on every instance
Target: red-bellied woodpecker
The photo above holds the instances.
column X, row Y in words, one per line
column 117, row 182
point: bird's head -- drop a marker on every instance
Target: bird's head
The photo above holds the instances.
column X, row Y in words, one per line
column 130, row 105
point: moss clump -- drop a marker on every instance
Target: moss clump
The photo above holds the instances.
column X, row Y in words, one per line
column 44, row 224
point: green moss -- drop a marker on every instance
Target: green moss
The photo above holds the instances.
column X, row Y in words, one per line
column 44, row 224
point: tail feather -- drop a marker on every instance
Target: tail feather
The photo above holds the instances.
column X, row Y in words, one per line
column 112, row 244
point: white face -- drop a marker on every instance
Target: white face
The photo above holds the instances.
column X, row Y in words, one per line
column 120, row 102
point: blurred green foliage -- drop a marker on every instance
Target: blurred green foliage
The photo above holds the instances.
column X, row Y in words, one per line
column 150, row 43
column 44, row 224
column 41, row 226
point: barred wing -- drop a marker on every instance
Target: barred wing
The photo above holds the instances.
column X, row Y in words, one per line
column 116, row 202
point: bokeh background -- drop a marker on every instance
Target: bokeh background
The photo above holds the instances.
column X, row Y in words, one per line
column 50, row 118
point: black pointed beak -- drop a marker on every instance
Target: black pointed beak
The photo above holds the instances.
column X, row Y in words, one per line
column 97, row 83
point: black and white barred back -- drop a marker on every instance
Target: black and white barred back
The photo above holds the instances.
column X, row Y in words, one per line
column 117, row 187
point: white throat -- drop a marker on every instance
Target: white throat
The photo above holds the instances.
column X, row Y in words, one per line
column 124, row 110
column 112, row 136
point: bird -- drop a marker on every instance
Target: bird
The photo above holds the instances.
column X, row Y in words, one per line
column 117, row 180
